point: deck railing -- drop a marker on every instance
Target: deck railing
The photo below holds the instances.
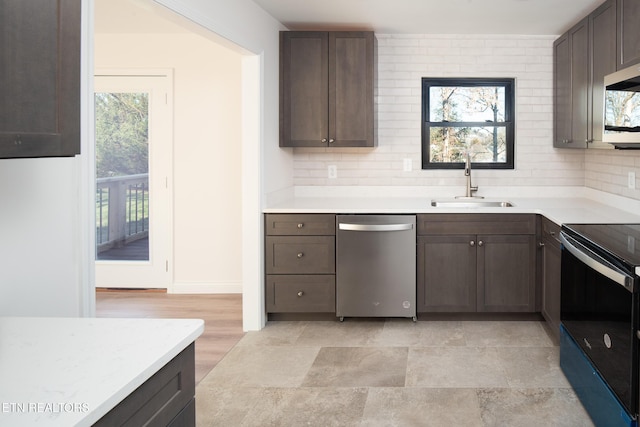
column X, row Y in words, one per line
column 122, row 210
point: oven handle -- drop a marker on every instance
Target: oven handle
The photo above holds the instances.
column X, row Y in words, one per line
column 596, row 262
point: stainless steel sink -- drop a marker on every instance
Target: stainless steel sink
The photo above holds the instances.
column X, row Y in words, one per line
column 467, row 203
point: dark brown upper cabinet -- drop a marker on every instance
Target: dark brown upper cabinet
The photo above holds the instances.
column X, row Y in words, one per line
column 628, row 33
column 39, row 78
column 326, row 89
column 602, row 25
column 571, row 80
column 582, row 57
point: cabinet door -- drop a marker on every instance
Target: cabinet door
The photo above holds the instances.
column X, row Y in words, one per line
column 506, row 273
column 628, row 33
column 446, row 273
column 40, row 78
column 304, row 89
column 351, row 80
column 579, row 46
column 602, row 23
column 562, row 92
column 551, row 256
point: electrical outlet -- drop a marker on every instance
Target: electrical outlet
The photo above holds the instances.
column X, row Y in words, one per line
column 632, row 180
column 407, row 165
column 332, row 171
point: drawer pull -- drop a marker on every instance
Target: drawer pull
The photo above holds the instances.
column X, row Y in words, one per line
column 300, row 254
column 480, row 243
column 300, row 225
column 472, row 243
column 300, row 293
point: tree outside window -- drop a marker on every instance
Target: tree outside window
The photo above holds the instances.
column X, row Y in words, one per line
column 467, row 115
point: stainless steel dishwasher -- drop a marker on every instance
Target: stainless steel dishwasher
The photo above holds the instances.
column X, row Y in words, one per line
column 376, row 266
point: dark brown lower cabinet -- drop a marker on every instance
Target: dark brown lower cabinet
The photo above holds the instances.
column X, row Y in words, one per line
column 460, row 271
column 301, row 293
column 506, row 273
column 165, row 399
column 550, row 274
column 447, row 267
column 300, row 263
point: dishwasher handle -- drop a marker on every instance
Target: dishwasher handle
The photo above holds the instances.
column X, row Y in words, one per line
column 374, row 227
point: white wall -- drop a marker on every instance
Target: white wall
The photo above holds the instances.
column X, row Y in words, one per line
column 402, row 61
column 207, row 173
column 244, row 24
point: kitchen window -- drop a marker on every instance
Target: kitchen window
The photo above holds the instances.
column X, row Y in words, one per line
column 474, row 115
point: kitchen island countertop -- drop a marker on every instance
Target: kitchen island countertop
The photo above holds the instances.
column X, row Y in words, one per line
column 72, row 371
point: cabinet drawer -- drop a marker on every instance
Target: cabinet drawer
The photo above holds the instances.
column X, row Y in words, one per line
column 300, row 254
column 476, row 224
column 301, row 293
column 300, row 225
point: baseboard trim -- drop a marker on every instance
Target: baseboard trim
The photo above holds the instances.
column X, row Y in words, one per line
column 206, row 288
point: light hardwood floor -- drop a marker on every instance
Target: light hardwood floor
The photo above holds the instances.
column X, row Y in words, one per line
column 222, row 315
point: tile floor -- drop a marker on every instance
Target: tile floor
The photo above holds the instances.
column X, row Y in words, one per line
column 391, row 372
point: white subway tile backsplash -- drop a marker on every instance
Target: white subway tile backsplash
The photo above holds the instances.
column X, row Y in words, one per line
column 403, row 59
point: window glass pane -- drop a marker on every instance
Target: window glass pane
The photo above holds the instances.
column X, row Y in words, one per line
column 122, row 172
column 486, row 144
column 467, row 104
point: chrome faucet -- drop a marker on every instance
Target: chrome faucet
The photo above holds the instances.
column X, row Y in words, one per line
column 467, row 172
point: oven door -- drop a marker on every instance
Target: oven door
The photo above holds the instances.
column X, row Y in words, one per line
column 598, row 310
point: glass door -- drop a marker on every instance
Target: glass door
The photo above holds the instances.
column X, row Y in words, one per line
column 133, row 160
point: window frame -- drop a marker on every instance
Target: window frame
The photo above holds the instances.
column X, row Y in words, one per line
column 508, row 124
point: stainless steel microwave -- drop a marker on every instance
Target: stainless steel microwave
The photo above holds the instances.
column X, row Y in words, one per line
column 622, row 108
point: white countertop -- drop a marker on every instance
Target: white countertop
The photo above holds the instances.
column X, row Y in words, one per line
column 72, row 371
column 565, row 205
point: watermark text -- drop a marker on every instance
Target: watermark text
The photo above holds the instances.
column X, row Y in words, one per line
column 43, row 407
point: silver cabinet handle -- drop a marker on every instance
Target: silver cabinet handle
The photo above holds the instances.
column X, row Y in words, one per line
column 480, row 243
column 374, row 227
column 300, row 225
column 300, row 254
column 331, row 140
column 541, row 245
column 472, row 243
column 324, row 139
column 300, row 293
